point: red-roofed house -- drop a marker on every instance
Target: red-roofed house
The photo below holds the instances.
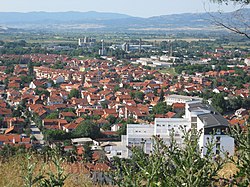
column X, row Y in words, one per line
column 178, row 107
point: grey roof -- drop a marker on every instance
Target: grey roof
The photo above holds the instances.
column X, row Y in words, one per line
column 201, row 106
column 184, row 97
column 75, row 140
column 213, row 120
column 210, row 117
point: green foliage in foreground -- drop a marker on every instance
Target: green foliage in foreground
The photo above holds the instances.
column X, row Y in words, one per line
column 28, row 169
column 242, row 162
column 172, row 165
column 56, row 178
column 42, row 179
column 169, row 165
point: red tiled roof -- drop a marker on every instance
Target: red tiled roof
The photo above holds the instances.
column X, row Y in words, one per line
column 71, row 126
column 68, row 114
column 237, row 122
column 5, row 111
column 178, row 105
column 10, row 138
column 170, row 114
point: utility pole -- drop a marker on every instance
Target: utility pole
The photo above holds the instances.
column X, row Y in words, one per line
column 140, row 45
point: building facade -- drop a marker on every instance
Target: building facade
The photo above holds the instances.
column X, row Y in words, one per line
column 198, row 115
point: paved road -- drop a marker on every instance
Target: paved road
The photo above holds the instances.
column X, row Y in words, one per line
column 37, row 133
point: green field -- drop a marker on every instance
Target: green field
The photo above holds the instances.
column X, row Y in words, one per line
column 169, row 71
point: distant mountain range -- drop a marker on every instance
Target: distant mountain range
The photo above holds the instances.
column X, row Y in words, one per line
column 57, row 17
column 114, row 21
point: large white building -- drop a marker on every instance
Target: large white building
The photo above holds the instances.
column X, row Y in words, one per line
column 247, row 61
column 204, row 117
column 140, row 135
column 171, row 99
column 164, row 127
column 86, row 41
column 198, row 115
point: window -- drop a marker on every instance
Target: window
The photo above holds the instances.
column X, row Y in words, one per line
column 217, row 145
column 218, row 131
column 194, row 125
column 118, row 153
column 217, row 151
column 193, row 119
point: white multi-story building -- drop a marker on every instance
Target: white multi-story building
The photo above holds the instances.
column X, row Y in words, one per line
column 164, row 127
column 213, row 125
column 198, row 116
column 86, row 41
column 140, row 135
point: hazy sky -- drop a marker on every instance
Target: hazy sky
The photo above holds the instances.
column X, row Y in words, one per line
column 142, row 8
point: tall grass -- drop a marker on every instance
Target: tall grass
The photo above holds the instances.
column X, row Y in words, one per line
column 12, row 172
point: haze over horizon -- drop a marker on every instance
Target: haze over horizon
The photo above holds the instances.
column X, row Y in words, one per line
column 138, row 8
